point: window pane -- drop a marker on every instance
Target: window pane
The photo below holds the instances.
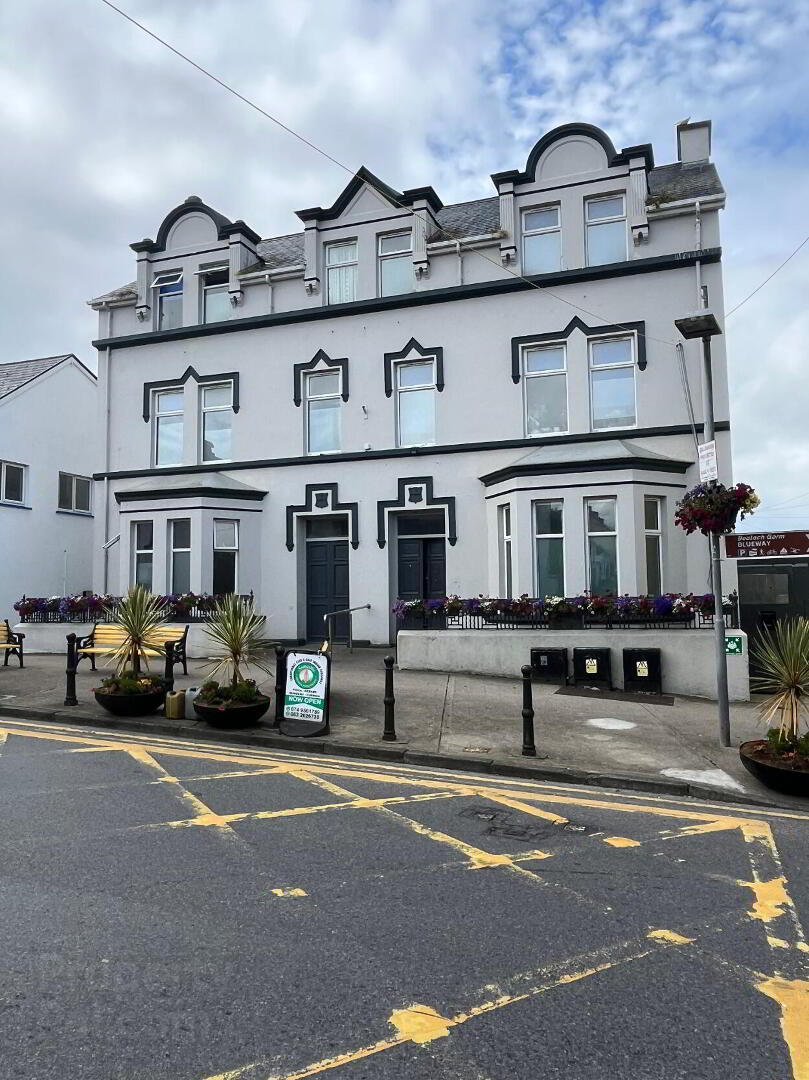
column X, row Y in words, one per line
column 546, row 404
column 613, row 393
column 13, row 484
column 143, row 571
column 416, row 417
column 388, row 244
column 541, row 219
column 216, row 277
column 415, row 374
column 545, row 360
column 82, row 493
column 341, row 253
column 324, row 426
column 550, row 567
column 322, row 528
column 217, row 304
column 224, row 534
column 605, row 208
column 181, row 533
column 224, row 572
column 323, row 384
column 65, row 491
column 606, row 243
column 342, row 284
column 603, row 564
column 395, row 276
column 651, row 514
column 181, row 572
column 542, row 253
column 169, row 440
column 143, row 535
column 617, row 351
column 216, row 436
column 170, row 401
column 429, row 524
column 217, row 395
column 171, row 309
column 601, row 515
column 507, row 520
column 653, row 583
column 549, row 516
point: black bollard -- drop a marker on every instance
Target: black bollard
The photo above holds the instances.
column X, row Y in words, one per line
column 70, row 671
column 280, row 678
column 389, row 734
column 528, row 747
column 168, row 674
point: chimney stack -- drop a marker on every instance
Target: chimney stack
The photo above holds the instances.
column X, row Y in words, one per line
column 694, row 141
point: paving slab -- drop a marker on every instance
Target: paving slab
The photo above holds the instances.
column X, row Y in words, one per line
column 460, row 721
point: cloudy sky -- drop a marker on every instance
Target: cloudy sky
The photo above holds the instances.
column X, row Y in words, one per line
column 103, row 131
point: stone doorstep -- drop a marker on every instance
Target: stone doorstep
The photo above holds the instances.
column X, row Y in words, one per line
column 492, row 766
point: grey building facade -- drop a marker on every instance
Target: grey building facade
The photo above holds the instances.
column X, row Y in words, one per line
column 407, row 399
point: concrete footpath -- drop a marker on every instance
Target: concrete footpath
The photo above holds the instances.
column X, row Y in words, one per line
column 462, row 721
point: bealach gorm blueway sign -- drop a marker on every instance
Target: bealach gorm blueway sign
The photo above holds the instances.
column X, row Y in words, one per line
column 766, row 545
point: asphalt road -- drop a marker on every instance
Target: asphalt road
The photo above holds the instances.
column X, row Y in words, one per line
column 196, row 912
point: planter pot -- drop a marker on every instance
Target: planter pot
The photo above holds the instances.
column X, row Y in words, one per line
column 771, row 773
column 232, row 716
column 565, row 622
column 131, row 704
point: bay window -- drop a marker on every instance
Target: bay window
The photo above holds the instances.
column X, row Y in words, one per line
column 505, row 552
column 180, row 543
column 415, row 403
column 143, row 553
column 225, row 555
column 545, row 390
column 612, row 383
column 653, row 534
column 602, row 546
column 549, row 547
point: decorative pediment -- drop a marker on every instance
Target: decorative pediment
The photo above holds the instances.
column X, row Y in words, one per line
column 415, row 492
column 201, row 380
column 526, row 340
column 320, row 358
column 323, row 498
column 570, row 149
column 414, row 351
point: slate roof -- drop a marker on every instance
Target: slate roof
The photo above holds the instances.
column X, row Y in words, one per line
column 282, row 250
column 468, row 219
column 13, row 376
column 684, row 180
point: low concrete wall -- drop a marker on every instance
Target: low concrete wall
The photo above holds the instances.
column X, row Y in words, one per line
column 687, row 656
column 51, row 637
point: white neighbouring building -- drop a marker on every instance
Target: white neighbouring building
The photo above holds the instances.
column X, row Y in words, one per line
column 48, row 413
column 380, row 405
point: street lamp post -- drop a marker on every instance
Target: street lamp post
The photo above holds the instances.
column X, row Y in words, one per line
column 704, row 325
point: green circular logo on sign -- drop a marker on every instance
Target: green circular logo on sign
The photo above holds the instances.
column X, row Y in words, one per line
column 306, row 675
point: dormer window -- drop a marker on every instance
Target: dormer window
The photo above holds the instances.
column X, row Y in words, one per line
column 541, row 241
column 341, row 272
column 214, row 293
column 606, row 230
column 395, row 263
column 169, row 293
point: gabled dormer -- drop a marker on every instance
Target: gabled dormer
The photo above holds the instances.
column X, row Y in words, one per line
column 190, row 273
column 371, row 241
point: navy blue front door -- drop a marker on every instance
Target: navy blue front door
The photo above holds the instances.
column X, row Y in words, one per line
column 326, row 587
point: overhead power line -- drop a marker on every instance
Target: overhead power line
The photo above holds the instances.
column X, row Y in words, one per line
column 764, row 282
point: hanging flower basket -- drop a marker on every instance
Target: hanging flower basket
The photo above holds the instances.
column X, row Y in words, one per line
column 713, row 509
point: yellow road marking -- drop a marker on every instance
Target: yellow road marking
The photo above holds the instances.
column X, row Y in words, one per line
column 288, row 892
column 671, row 936
column 621, row 841
column 420, row 1024
column 793, row 997
column 777, row 942
column 771, row 898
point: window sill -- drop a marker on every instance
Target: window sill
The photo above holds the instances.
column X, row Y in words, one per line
column 545, row 434
column 75, row 513
column 617, row 427
column 15, row 505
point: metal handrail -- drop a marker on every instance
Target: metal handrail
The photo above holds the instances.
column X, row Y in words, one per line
column 329, row 617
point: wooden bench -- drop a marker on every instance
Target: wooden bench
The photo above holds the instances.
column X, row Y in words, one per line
column 106, row 638
column 10, row 643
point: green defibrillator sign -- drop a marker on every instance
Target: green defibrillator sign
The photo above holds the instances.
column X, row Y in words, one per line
column 733, row 644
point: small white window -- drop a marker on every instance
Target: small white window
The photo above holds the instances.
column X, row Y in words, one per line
column 602, row 546
column 323, row 402
column 653, row 531
column 341, row 272
column 168, row 426
column 214, row 291
column 74, row 493
column 545, row 390
column 169, row 299
column 12, row 482
column 612, row 383
column 217, row 422
column 143, row 553
column 606, row 230
column 541, row 240
column 549, row 547
column 180, row 538
column 395, row 264
column 415, row 403
column 225, row 556
column 504, row 542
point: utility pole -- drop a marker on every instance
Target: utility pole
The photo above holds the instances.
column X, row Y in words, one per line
column 704, row 325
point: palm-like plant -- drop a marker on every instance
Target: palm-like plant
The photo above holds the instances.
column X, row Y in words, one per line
column 237, row 631
column 781, row 655
column 141, row 616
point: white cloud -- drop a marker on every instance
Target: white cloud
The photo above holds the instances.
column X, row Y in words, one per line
column 106, row 130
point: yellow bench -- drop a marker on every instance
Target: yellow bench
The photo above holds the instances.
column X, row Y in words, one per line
column 10, row 643
column 106, row 638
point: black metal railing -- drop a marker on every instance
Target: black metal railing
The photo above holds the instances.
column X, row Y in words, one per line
column 89, row 609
